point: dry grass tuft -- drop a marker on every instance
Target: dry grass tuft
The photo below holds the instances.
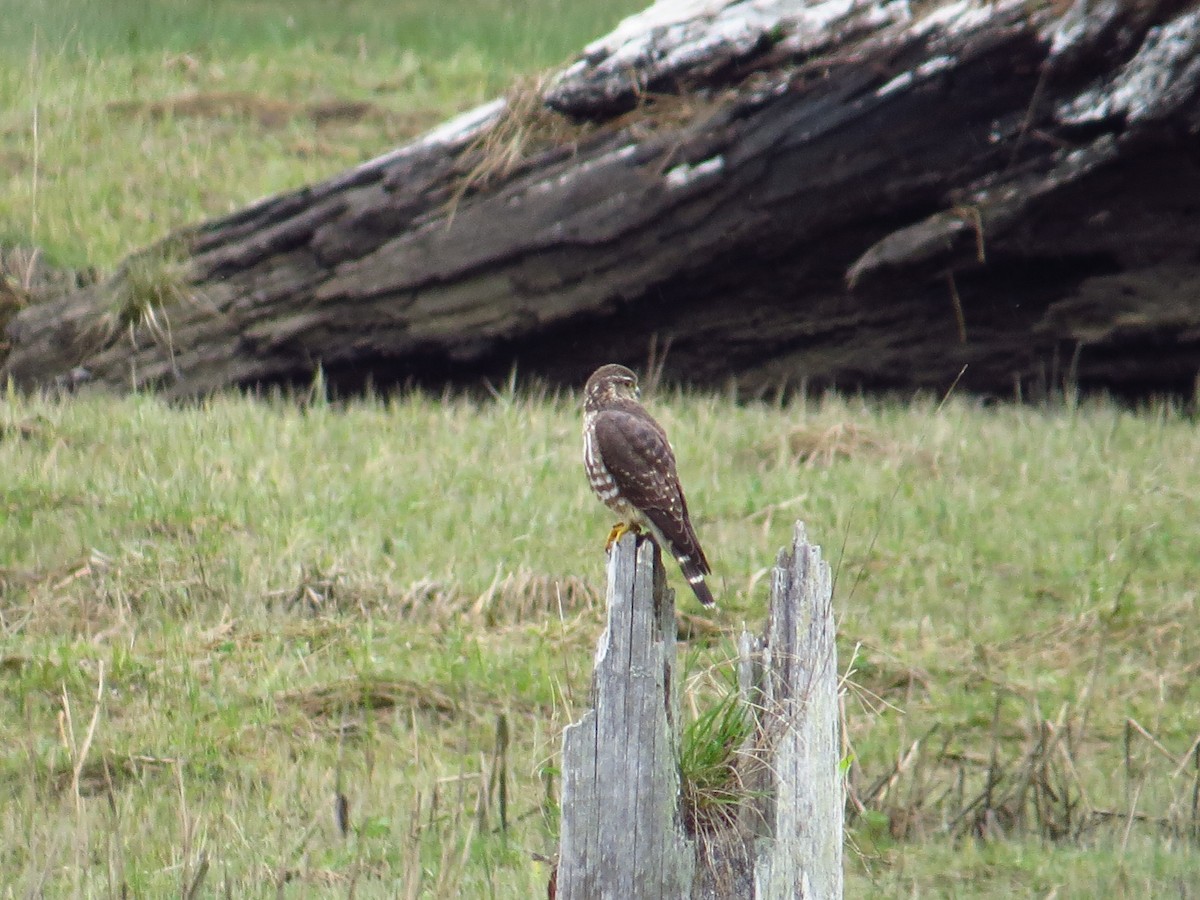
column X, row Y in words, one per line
column 27, row 430
column 364, row 694
column 322, row 592
column 521, row 596
column 695, row 627
column 512, row 598
column 528, row 129
column 80, row 599
column 26, row 278
column 107, row 774
column 14, row 297
column 938, row 786
column 656, row 113
column 822, row 445
column 268, row 112
column 531, row 596
column 884, row 678
column 525, row 130
column 138, row 300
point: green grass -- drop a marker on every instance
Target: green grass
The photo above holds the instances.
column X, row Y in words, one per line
column 120, row 121
column 290, row 600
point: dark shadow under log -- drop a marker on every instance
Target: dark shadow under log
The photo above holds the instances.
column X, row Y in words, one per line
column 847, row 194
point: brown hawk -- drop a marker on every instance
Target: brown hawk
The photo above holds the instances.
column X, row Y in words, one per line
column 631, row 467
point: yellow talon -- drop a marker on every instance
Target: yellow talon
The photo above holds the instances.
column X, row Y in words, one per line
column 619, row 531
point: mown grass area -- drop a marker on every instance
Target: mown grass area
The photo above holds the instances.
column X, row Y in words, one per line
column 218, row 619
column 120, row 121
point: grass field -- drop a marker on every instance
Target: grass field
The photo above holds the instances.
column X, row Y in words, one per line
column 263, row 604
column 261, row 647
column 120, row 120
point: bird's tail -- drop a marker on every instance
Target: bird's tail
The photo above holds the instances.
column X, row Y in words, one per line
column 676, row 534
column 695, row 577
column 694, row 565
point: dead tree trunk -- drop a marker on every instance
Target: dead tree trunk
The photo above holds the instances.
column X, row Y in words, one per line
column 629, row 829
column 622, row 833
column 860, row 193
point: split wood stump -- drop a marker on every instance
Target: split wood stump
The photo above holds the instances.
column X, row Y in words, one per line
column 625, row 831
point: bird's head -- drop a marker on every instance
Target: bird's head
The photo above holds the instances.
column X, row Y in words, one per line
column 609, row 383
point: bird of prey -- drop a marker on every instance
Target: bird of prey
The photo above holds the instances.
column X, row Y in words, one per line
column 631, row 468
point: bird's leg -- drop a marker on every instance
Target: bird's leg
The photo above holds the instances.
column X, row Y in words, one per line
column 619, row 531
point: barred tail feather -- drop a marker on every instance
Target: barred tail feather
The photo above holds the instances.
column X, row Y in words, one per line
column 680, row 539
column 695, row 566
column 695, row 578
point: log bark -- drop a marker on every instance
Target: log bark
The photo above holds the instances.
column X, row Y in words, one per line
column 625, row 829
column 868, row 194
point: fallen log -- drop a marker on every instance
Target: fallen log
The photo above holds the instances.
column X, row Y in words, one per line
column 869, row 194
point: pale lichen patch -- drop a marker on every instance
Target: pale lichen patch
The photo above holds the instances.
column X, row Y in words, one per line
column 1161, row 74
column 685, row 174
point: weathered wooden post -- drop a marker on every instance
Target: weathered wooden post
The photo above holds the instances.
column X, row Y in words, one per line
column 624, row 833
column 621, row 831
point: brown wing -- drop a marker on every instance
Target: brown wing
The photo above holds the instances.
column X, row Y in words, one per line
column 638, row 455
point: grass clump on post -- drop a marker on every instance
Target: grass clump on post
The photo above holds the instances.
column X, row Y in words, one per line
column 710, row 779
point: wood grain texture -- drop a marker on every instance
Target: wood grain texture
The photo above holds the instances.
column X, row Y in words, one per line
column 623, row 834
column 787, row 839
column 797, row 695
